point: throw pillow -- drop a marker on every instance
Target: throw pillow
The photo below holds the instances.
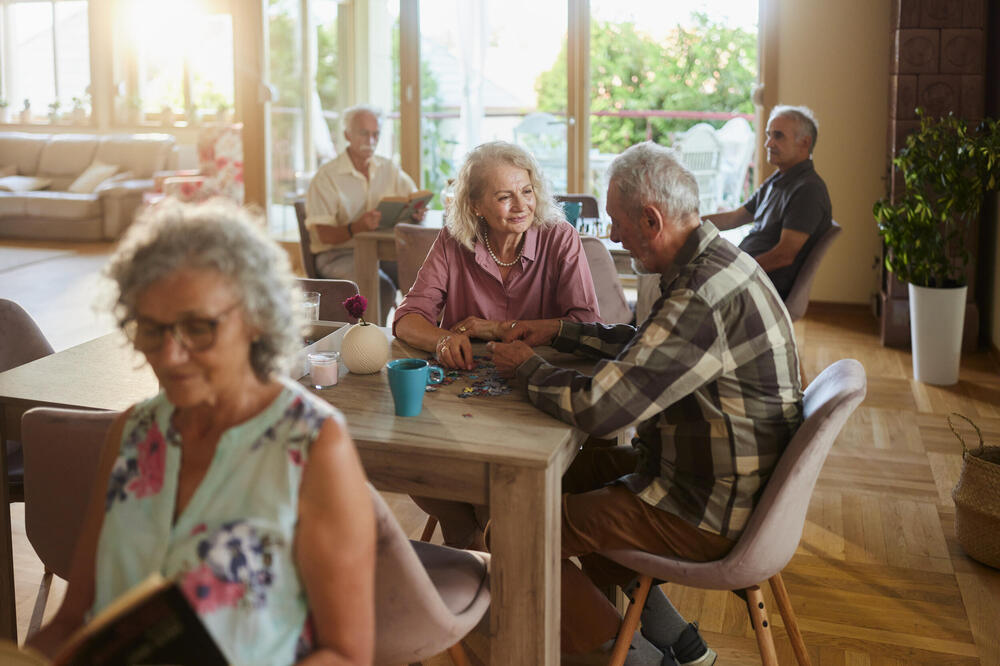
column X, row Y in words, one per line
column 23, row 183
column 8, row 170
column 93, row 176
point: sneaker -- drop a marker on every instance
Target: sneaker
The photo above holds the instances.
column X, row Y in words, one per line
column 690, row 649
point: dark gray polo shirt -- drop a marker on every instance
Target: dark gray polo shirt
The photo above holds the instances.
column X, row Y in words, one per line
column 796, row 199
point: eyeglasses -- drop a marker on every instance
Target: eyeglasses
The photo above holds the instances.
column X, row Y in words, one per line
column 195, row 334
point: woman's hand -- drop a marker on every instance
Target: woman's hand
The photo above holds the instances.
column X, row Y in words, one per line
column 454, row 351
column 475, row 327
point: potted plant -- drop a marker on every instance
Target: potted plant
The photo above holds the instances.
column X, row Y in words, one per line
column 947, row 165
column 3, row 110
column 79, row 112
column 25, row 116
column 54, row 111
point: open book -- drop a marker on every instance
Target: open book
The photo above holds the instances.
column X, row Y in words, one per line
column 150, row 624
column 402, row 209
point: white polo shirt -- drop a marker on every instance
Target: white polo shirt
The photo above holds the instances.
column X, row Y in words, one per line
column 339, row 193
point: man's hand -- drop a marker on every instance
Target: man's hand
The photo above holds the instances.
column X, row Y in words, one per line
column 454, row 351
column 475, row 327
column 534, row 332
column 507, row 357
column 420, row 213
column 367, row 221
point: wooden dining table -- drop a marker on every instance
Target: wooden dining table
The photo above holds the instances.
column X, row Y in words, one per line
column 496, row 450
column 371, row 247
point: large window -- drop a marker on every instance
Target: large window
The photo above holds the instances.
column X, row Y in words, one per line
column 480, row 80
column 45, row 56
column 174, row 62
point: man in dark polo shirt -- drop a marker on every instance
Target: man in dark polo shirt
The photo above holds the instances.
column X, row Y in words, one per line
column 791, row 209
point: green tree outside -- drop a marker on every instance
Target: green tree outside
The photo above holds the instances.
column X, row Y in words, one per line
column 704, row 67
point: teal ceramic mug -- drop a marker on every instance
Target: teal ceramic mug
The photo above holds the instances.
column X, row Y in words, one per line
column 572, row 210
column 408, row 377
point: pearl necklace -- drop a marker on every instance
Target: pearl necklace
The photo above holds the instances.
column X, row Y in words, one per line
column 505, row 264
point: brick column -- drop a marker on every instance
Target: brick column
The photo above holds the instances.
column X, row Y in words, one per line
column 938, row 63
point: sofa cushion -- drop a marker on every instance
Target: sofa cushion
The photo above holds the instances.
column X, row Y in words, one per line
column 62, row 205
column 66, row 156
column 23, row 183
column 142, row 154
column 93, row 176
column 23, row 150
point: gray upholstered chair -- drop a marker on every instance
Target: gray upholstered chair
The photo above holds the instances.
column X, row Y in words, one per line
column 413, row 242
column 305, row 244
column 21, row 341
column 774, row 530
column 427, row 597
column 332, row 294
column 62, row 451
column 798, row 297
column 610, row 295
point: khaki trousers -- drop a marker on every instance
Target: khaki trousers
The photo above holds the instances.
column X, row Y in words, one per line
column 598, row 517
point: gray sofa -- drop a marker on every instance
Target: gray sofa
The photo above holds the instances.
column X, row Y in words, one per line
column 53, row 213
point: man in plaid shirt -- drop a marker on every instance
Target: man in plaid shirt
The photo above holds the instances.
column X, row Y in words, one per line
column 710, row 381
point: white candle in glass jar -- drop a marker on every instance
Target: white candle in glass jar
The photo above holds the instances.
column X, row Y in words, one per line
column 324, row 368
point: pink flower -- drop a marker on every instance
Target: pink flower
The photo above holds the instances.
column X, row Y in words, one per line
column 355, row 306
column 205, row 592
column 152, row 461
column 295, row 456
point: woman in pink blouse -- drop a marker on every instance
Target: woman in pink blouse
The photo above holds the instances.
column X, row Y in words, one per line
column 506, row 255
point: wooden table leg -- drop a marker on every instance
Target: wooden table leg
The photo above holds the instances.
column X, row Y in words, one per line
column 366, row 272
column 8, row 610
column 524, row 572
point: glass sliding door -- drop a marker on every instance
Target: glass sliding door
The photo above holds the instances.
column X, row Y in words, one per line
column 486, row 73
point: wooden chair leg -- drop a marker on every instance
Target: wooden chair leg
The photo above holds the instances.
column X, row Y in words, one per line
column 761, row 626
column 38, row 612
column 631, row 622
column 788, row 616
column 429, row 528
column 458, row 655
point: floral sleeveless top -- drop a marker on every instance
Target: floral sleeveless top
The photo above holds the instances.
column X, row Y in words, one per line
column 231, row 547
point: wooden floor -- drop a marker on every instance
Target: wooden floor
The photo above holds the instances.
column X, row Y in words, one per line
column 878, row 578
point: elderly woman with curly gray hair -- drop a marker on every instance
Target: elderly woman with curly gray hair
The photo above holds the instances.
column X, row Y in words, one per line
column 506, row 254
column 234, row 480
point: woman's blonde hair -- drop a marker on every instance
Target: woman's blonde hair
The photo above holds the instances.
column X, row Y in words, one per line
column 462, row 222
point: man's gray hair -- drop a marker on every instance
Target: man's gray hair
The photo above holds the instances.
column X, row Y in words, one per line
column 217, row 236
column 806, row 119
column 647, row 174
column 350, row 112
column 470, row 187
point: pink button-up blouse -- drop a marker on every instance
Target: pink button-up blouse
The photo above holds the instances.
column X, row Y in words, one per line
column 551, row 280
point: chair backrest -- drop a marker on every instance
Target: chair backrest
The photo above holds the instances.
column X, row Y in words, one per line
column 798, row 296
column 610, row 295
column 588, row 203
column 412, row 618
column 413, row 242
column 21, row 341
column 305, row 244
column 773, row 532
column 62, row 451
column 332, row 294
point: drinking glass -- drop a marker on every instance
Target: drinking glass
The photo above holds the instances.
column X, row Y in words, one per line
column 310, row 306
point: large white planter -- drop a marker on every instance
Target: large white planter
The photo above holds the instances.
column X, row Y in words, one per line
column 937, row 317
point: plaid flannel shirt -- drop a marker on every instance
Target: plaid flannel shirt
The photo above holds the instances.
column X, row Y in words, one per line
column 710, row 380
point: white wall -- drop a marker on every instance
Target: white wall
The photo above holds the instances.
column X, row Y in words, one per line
column 834, row 58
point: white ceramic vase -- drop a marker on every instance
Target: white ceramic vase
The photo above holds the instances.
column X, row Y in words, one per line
column 364, row 349
column 937, row 317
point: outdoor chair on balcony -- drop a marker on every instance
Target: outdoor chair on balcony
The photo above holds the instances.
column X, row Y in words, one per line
column 738, row 142
column 701, row 152
column 544, row 136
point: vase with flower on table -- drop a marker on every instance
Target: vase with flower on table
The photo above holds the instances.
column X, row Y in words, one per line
column 364, row 349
